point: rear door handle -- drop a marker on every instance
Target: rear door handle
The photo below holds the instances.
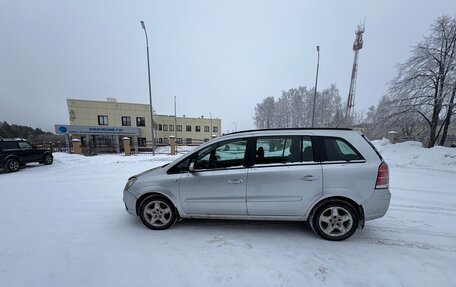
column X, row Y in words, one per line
column 235, row 181
column 309, row 178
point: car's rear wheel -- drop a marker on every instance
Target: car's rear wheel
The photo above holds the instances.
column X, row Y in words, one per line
column 48, row 159
column 157, row 213
column 12, row 165
column 334, row 220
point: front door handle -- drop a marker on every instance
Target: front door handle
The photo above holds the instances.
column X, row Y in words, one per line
column 235, row 181
column 309, row 178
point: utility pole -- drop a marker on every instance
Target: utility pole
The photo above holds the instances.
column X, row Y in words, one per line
column 316, row 83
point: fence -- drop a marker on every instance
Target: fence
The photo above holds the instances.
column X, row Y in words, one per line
column 106, row 145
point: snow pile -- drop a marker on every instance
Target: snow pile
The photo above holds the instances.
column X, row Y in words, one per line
column 413, row 154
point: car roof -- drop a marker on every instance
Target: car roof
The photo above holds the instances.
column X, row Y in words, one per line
column 291, row 131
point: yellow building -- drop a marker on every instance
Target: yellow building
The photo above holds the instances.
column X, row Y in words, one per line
column 111, row 118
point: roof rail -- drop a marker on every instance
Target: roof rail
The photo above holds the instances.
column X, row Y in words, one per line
column 288, row 129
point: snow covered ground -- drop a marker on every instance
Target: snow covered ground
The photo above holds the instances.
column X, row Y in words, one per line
column 65, row 225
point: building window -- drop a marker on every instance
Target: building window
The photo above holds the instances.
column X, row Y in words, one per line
column 206, row 129
column 165, row 128
column 140, row 122
column 179, row 140
column 141, row 141
column 126, row 121
column 206, row 140
column 160, row 127
column 215, row 129
column 188, row 128
column 188, row 141
column 171, row 128
column 197, row 128
column 179, row 128
column 160, row 140
column 103, row 120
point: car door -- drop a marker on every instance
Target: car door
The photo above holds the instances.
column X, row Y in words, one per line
column 29, row 153
column 217, row 185
column 286, row 179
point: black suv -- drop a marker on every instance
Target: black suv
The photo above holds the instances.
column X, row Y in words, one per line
column 15, row 153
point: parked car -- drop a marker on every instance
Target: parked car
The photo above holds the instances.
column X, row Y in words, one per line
column 333, row 178
column 16, row 153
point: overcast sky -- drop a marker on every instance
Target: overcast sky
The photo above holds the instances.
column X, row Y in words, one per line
column 219, row 57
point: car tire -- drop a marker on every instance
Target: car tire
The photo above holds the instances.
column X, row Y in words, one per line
column 334, row 220
column 157, row 213
column 48, row 159
column 12, row 165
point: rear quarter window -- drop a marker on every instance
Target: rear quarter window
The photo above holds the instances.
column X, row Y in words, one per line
column 338, row 149
column 8, row 145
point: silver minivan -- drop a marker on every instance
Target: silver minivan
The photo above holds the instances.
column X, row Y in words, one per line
column 334, row 179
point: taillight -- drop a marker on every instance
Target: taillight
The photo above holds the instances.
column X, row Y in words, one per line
column 382, row 176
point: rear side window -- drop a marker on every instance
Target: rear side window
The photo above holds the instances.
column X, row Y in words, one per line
column 8, row 145
column 338, row 149
column 290, row 149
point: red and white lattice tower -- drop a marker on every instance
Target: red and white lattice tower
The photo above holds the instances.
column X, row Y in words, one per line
column 357, row 45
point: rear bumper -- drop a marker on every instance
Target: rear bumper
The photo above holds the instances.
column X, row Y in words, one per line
column 377, row 205
column 130, row 202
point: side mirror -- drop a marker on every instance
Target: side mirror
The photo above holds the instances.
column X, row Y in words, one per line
column 191, row 167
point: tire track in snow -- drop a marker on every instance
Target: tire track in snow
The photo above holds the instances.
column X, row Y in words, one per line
column 424, row 207
column 401, row 230
column 414, row 210
column 439, row 203
column 405, row 244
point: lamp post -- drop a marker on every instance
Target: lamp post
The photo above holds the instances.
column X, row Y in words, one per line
column 150, row 90
column 316, row 83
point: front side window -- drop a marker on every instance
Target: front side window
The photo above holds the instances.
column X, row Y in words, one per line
column 165, row 128
column 222, row 155
column 188, row 128
column 215, row 129
column 197, row 128
column 140, row 122
column 25, row 145
column 337, row 149
column 179, row 128
column 103, row 120
column 171, row 128
column 160, row 127
column 206, row 129
column 126, row 121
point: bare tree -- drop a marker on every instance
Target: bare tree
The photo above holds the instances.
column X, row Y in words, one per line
column 421, row 85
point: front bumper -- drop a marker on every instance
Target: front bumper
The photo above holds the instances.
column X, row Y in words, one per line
column 377, row 205
column 130, row 202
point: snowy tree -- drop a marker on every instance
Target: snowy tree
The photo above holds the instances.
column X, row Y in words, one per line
column 424, row 82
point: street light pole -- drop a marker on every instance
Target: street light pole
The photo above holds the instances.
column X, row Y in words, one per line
column 150, row 90
column 210, row 132
column 175, row 118
column 316, row 83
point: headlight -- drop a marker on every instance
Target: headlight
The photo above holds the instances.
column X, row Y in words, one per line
column 130, row 182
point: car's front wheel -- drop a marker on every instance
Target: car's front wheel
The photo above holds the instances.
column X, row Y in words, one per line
column 12, row 165
column 334, row 220
column 157, row 213
column 48, row 159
